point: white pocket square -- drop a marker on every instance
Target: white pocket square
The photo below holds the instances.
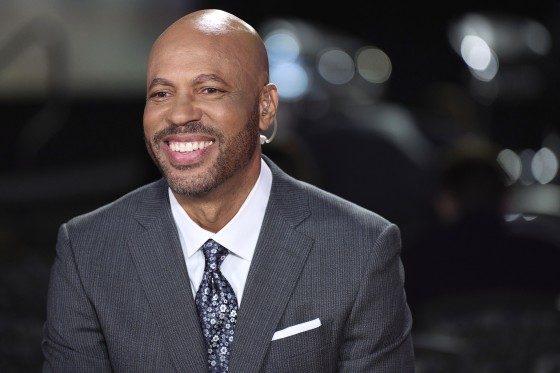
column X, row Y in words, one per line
column 295, row 329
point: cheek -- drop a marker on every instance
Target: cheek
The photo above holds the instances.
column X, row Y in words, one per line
column 151, row 119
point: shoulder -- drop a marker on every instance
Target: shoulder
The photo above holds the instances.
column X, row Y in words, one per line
column 125, row 206
column 344, row 234
column 343, row 216
column 294, row 197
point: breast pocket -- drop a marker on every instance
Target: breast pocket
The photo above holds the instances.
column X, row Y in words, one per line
column 308, row 351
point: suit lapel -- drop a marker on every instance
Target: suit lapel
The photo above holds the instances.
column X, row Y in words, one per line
column 157, row 255
column 277, row 263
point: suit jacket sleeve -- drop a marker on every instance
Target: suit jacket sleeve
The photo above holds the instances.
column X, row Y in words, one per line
column 73, row 340
column 376, row 337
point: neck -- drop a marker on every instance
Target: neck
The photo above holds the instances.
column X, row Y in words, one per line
column 215, row 209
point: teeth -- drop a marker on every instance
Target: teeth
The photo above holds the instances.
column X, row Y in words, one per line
column 184, row 147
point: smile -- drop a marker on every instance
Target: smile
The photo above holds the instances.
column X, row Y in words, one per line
column 185, row 147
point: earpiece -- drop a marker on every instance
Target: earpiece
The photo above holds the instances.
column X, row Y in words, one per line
column 266, row 140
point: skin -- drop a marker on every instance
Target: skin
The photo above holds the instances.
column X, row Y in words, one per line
column 207, row 83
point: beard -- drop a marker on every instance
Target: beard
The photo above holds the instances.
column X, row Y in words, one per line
column 233, row 154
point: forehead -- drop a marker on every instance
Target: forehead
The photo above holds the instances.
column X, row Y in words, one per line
column 200, row 53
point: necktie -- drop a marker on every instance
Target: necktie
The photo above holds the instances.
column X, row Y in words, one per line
column 217, row 307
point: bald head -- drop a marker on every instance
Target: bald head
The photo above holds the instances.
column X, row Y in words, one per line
column 214, row 21
column 234, row 40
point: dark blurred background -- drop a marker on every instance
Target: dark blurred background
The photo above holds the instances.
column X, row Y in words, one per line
column 443, row 118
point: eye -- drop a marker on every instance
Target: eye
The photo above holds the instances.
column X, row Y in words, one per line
column 159, row 95
column 211, row 90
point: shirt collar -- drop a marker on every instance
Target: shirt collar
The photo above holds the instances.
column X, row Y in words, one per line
column 241, row 233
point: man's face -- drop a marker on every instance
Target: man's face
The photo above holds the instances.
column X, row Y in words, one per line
column 201, row 119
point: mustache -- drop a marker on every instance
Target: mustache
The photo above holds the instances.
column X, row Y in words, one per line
column 191, row 127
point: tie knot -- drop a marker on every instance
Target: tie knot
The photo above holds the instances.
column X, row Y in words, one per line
column 214, row 253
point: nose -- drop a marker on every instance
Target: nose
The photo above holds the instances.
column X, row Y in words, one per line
column 183, row 110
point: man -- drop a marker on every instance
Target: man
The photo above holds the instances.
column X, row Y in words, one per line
column 317, row 282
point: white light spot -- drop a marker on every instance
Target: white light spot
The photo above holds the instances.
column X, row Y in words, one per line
column 544, row 166
column 373, row 64
column 336, row 66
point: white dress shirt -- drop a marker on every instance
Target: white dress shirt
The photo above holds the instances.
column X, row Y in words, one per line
column 239, row 236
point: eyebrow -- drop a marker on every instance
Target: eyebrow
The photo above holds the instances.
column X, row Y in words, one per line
column 159, row 81
column 208, row 77
column 202, row 78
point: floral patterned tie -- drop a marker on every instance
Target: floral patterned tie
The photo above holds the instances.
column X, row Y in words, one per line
column 217, row 307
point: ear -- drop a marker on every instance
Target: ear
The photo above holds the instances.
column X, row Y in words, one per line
column 268, row 106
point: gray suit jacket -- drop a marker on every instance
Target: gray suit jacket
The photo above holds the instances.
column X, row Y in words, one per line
column 119, row 296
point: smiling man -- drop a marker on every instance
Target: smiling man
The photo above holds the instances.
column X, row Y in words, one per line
column 225, row 264
column 203, row 119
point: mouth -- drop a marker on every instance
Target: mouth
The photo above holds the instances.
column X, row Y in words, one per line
column 188, row 146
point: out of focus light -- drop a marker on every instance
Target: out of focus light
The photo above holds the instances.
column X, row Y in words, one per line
column 485, row 42
column 304, row 59
column 544, row 165
column 511, row 163
column 282, row 47
column 489, row 72
column 286, row 70
column 290, row 78
column 373, row 64
column 529, row 166
column 516, row 216
column 537, row 37
column 508, row 36
column 335, row 66
column 475, row 52
column 478, row 55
